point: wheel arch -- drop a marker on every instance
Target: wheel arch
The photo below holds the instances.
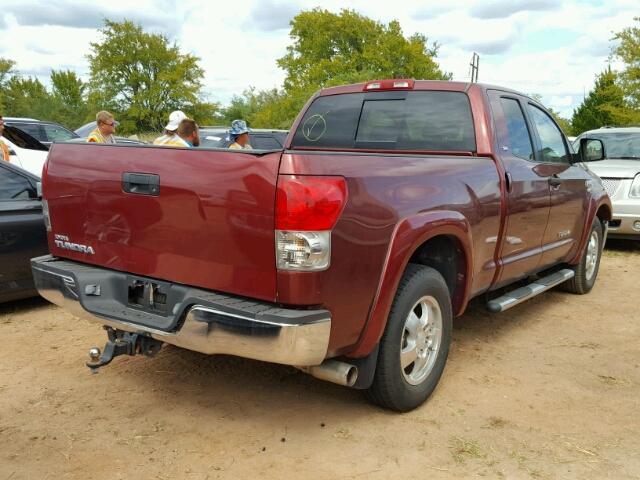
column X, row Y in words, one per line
column 433, row 239
column 600, row 209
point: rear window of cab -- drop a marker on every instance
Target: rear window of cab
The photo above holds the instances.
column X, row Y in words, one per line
column 406, row 120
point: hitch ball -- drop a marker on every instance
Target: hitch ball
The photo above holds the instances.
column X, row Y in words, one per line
column 94, row 354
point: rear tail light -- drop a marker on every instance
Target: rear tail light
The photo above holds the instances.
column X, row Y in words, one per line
column 45, row 214
column 307, row 208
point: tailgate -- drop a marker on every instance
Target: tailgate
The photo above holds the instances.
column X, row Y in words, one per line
column 210, row 224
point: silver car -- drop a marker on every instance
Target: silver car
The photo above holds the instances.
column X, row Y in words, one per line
column 620, row 174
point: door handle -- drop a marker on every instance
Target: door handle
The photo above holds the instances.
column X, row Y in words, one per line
column 555, row 182
column 141, row 183
column 508, row 181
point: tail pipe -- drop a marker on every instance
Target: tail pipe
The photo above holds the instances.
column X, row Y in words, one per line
column 334, row 371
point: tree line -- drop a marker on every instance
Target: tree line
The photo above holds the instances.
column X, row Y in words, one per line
column 141, row 77
column 615, row 98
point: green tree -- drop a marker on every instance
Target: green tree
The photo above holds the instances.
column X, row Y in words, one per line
column 142, row 77
column 6, row 72
column 332, row 49
column 26, row 97
column 258, row 108
column 68, row 88
column 628, row 50
column 604, row 105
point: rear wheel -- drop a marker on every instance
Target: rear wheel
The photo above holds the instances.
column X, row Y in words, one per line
column 587, row 270
column 414, row 347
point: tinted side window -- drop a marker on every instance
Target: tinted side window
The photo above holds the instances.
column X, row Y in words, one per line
column 553, row 149
column 513, row 136
column 32, row 129
column 14, row 186
column 422, row 120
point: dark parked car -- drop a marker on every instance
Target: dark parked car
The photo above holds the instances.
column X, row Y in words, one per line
column 259, row 138
column 43, row 131
column 22, row 231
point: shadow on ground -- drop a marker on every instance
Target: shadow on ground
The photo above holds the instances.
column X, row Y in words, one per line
column 622, row 246
column 26, row 305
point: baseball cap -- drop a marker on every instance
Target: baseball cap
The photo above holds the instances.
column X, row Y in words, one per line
column 174, row 120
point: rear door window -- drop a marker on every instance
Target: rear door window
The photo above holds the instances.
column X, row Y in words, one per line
column 513, row 134
column 420, row 120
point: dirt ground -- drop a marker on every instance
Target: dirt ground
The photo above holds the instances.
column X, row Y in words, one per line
column 549, row 389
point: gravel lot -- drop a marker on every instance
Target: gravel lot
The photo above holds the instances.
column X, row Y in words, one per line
column 549, row 389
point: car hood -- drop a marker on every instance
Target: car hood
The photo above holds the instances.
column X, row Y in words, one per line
column 612, row 168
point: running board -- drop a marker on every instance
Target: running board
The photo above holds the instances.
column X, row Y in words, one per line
column 515, row 297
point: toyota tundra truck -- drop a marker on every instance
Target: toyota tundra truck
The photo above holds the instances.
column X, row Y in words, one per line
column 345, row 254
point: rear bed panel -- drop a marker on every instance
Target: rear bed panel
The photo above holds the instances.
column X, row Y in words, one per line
column 211, row 225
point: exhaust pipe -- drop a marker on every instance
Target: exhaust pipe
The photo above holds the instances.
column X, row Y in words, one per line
column 334, row 371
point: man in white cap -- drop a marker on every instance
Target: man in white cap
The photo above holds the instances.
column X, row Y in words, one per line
column 170, row 135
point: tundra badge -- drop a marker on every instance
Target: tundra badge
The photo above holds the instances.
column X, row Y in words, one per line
column 62, row 241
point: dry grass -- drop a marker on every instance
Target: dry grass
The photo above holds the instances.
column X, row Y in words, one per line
column 462, row 450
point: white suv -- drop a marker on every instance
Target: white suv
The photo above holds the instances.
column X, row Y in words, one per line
column 620, row 174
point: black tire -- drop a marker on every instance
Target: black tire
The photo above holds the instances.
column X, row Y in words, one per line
column 584, row 279
column 391, row 386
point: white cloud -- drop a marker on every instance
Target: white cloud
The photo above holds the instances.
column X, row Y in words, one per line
column 506, row 8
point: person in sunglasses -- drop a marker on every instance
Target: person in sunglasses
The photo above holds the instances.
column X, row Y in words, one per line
column 105, row 127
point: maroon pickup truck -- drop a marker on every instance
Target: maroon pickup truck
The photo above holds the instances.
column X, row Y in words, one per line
column 348, row 253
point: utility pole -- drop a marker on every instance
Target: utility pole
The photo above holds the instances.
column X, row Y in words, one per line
column 475, row 67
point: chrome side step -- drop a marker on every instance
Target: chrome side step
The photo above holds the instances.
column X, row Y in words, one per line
column 515, row 297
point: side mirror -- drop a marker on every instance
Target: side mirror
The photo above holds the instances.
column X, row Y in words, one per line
column 591, row 150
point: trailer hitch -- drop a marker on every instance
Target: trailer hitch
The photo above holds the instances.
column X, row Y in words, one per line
column 122, row 343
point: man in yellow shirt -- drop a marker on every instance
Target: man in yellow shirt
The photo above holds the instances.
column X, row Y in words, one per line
column 239, row 135
column 4, row 149
column 104, row 130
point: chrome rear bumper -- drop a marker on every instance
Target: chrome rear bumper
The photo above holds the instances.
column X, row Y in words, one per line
column 200, row 320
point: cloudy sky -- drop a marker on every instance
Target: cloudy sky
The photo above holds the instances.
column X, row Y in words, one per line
column 550, row 47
